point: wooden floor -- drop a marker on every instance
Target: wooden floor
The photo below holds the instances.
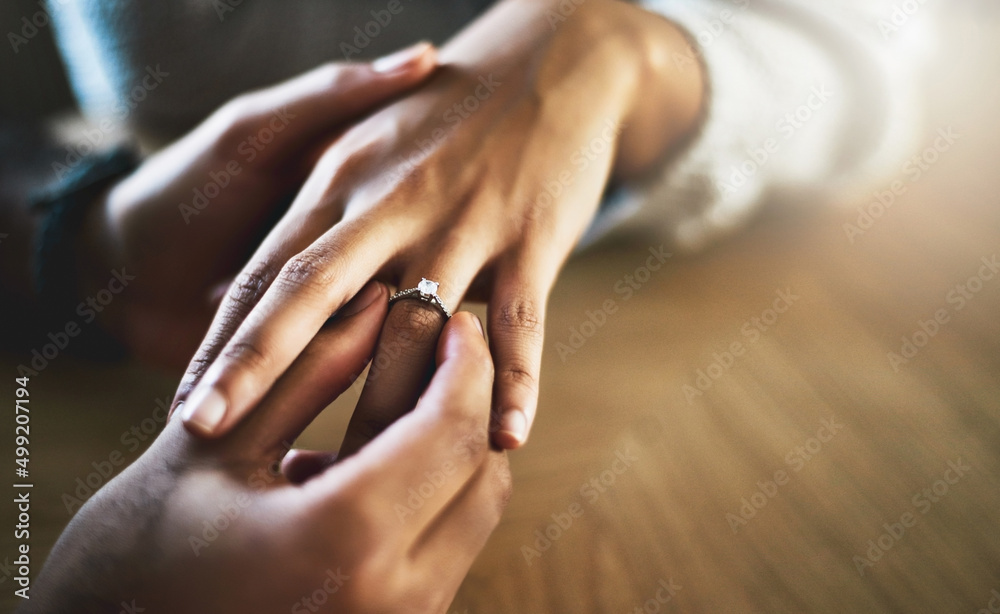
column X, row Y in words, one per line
column 739, row 499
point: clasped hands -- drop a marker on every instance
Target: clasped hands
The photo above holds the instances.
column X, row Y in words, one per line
column 237, row 525
column 406, row 168
column 426, row 164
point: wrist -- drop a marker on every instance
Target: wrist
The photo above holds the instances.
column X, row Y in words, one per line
column 667, row 107
column 65, row 208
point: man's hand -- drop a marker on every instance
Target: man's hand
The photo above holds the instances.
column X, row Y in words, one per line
column 186, row 220
column 216, row 526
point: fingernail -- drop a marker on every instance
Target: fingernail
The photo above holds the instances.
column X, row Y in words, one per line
column 400, row 59
column 479, row 325
column 515, row 427
column 205, row 409
column 362, row 299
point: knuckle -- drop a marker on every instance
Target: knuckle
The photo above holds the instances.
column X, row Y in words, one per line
column 196, row 369
column 515, row 373
column 234, row 121
column 472, row 440
column 243, row 295
column 348, row 160
column 418, row 322
column 247, row 355
column 427, row 175
column 249, row 287
column 210, row 349
column 310, row 271
column 416, row 178
column 365, row 153
column 342, row 78
column 522, row 316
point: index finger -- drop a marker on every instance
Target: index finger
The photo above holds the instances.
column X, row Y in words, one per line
column 327, row 367
column 277, row 323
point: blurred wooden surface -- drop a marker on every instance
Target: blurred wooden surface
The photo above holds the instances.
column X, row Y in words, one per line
column 664, row 519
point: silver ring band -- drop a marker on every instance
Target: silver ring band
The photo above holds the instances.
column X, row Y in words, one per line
column 425, row 291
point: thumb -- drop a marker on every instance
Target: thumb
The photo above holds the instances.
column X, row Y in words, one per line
column 305, row 108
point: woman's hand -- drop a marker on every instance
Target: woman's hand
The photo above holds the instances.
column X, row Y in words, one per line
column 483, row 180
column 218, row 526
column 185, row 221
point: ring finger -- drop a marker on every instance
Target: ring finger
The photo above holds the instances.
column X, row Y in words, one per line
column 404, row 356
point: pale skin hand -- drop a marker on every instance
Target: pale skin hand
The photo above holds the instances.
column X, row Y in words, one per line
column 183, row 257
column 425, row 188
column 347, row 538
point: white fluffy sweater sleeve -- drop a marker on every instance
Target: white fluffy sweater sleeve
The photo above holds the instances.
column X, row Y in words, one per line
column 805, row 101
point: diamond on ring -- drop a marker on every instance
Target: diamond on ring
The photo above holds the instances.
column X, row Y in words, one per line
column 427, row 287
column 425, row 291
